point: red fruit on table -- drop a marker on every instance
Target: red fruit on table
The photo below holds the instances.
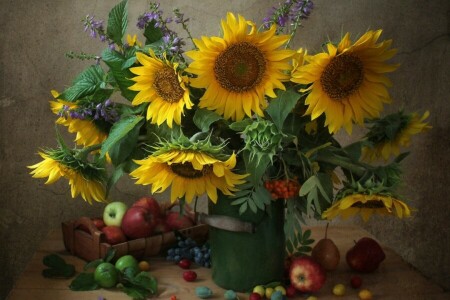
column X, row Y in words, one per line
column 306, row 274
column 138, row 222
column 189, row 275
column 184, row 263
column 149, row 203
column 355, row 281
column 113, row 235
column 365, row 256
column 291, row 291
column 254, row 296
column 177, row 221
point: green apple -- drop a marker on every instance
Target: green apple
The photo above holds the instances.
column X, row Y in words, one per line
column 126, row 261
column 114, row 212
column 106, row 275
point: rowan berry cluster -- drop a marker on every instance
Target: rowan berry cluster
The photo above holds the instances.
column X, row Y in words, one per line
column 282, row 188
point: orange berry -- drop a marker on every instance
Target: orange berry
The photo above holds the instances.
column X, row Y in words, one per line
column 144, row 265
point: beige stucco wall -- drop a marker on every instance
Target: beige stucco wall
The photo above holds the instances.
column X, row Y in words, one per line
column 36, row 34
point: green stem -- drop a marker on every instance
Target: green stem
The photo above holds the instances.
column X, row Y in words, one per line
column 83, row 153
column 356, row 169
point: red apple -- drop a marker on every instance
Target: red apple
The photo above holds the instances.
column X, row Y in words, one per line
column 365, row 256
column 306, row 274
column 149, row 203
column 161, row 226
column 138, row 222
column 177, row 221
column 99, row 223
column 113, row 235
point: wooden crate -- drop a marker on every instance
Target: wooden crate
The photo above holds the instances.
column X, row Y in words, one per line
column 84, row 240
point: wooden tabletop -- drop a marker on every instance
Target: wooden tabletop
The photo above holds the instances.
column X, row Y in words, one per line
column 395, row 279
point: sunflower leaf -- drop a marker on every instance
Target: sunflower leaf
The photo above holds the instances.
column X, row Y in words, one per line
column 122, row 139
column 118, row 22
column 115, row 61
column 86, row 83
column 280, row 107
column 152, row 33
column 203, row 119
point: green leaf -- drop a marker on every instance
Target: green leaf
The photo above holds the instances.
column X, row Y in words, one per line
column 84, row 282
column 118, row 22
column 53, row 261
column 87, row 83
column 110, row 254
column 93, row 264
column 239, row 201
column 307, row 186
column 255, row 168
column 325, row 185
column 152, row 34
column 280, row 107
column 240, row 126
column 122, row 139
column 354, row 151
column 252, row 205
column 115, row 60
column 243, row 208
column 119, row 171
column 203, row 118
column 57, row 267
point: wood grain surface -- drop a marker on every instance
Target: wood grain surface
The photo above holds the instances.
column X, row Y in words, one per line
column 394, row 279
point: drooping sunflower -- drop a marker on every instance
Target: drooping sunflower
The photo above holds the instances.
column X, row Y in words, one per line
column 239, row 69
column 84, row 179
column 87, row 133
column 159, row 83
column 348, row 82
column 191, row 170
column 388, row 135
column 366, row 206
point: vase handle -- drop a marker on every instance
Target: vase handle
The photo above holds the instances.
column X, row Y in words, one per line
column 225, row 223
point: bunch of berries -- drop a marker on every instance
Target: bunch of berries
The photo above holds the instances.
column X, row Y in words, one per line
column 282, row 188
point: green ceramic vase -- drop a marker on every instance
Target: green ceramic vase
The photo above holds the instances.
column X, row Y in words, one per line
column 242, row 260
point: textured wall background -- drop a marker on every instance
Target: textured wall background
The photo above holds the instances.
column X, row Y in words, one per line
column 36, row 34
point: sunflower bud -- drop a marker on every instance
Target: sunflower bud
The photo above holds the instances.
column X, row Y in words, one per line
column 262, row 138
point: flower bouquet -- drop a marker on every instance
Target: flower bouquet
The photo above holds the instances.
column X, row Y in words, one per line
column 243, row 118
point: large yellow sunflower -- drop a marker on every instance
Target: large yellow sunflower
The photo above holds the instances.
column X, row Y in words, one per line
column 90, row 189
column 366, row 206
column 239, row 69
column 87, row 134
column 390, row 145
column 347, row 84
column 190, row 173
column 159, row 83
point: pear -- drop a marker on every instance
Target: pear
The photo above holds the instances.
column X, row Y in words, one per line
column 326, row 253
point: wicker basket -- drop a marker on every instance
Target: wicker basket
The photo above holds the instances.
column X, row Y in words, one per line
column 84, row 240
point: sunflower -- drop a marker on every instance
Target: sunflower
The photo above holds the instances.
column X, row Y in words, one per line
column 239, row 69
column 87, row 133
column 366, row 206
column 159, row 83
column 386, row 137
column 190, row 171
column 347, row 84
column 84, row 181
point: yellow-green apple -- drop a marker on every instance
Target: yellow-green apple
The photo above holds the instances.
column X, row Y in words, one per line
column 114, row 212
column 306, row 275
column 177, row 221
column 149, row 203
column 365, row 256
column 113, row 235
column 138, row 222
column 126, row 261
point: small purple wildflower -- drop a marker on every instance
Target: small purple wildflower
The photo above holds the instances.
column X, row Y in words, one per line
column 96, row 29
column 105, row 111
column 287, row 14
